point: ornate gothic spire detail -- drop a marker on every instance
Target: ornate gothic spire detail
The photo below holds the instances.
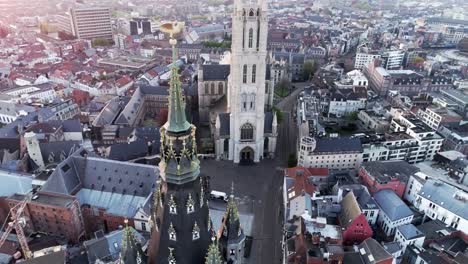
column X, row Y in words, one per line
column 231, row 227
column 171, row 259
column 190, row 204
column 131, row 252
column 172, row 232
column 213, row 256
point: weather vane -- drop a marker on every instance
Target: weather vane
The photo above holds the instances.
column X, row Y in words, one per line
column 172, row 28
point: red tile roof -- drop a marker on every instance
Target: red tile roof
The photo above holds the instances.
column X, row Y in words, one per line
column 301, row 178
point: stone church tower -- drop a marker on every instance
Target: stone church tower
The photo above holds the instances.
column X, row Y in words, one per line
column 246, row 93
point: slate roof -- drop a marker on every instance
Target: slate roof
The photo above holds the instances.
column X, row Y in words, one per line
column 105, row 247
column 125, row 205
column 216, row 72
column 54, row 257
column 268, row 123
column 56, row 151
column 148, row 134
column 128, row 151
column 370, row 247
column 109, row 113
column 392, row 247
column 12, row 183
column 84, row 170
column 445, row 196
column 409, row 231
column 384, row 171
column 132, row 108
column 341, row 144
column 431, row 229
column 364, row 199
column 392, row 205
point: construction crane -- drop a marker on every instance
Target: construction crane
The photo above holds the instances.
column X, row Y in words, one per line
column 18, row 222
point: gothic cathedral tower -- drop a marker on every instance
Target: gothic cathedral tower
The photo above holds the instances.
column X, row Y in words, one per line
column 246, row 97
column 181, row 226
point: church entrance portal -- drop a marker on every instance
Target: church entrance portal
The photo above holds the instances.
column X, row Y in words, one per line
column 246, row 156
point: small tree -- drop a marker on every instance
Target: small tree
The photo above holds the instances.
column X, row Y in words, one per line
column 101, row 42
column 418, row 61
column 308, row 70
column 283, row 87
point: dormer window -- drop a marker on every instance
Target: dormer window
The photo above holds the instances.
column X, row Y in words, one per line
column 172, row 233
column 195, row 232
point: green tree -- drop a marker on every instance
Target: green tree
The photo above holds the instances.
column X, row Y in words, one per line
column 309, row 69
column 283, row 88
column 292, row 161
column 418, row 60
column 352, row 116
column 101, row 42
column 44, row 28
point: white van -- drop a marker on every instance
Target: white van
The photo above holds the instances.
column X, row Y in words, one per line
column 219, row 195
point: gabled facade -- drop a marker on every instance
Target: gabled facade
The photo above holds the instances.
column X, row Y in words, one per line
column 353, row 222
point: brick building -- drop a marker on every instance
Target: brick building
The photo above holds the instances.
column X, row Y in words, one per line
column 393, row 175
column 353, row 222
column 52, row 213
column 107, row 191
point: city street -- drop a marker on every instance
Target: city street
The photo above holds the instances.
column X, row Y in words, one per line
column 259, row 187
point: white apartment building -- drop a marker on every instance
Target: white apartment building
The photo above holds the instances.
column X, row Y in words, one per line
column 371, row 120
column 10, row 111
column 408, row 235
column 393, row 211
column 423, row 143
column 434, row 117
column 64, row 23
column 347, row 106
column 26, row 94
column 393, row 59
column 91, row 23
column 358, row 78
column 332, row 153
column 439, row 200
column 414, row 186
column 363, row 59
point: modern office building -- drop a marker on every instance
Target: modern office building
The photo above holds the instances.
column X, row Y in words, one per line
column 91, row 23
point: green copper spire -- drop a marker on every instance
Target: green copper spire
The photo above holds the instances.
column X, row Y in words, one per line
column 177, row 121
column 213, row 256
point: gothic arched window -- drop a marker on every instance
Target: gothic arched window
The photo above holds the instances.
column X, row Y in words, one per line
column 254, row 73
column 220, row 88
column 251, row 13
column 207, row 90
column 250, row 38
column 244, row 102
column 213, row 88
column 252, row 101
column 247, row 131
column 244, row 74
